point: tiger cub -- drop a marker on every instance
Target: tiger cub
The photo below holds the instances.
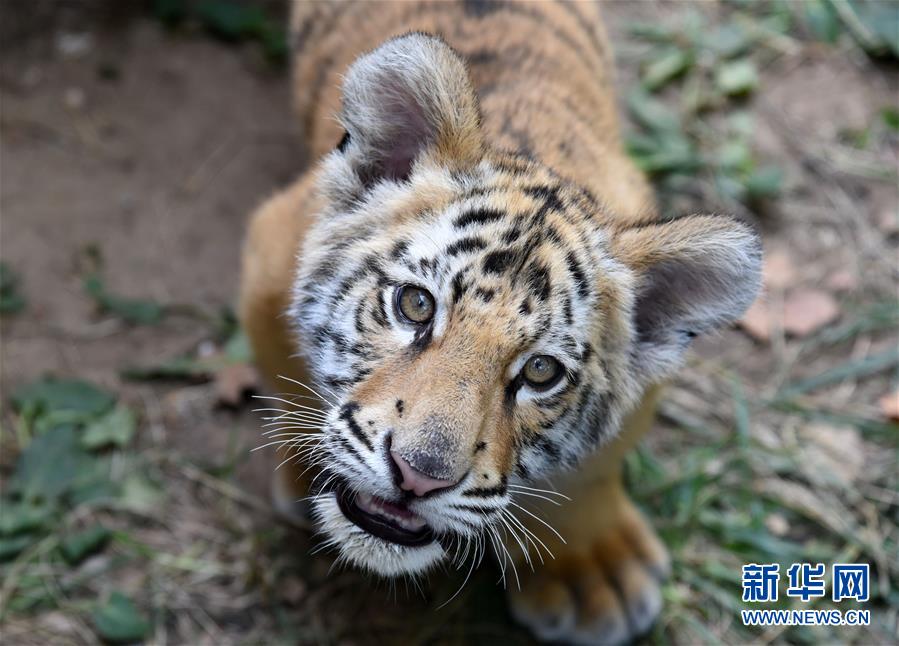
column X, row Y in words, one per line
column 476, row 289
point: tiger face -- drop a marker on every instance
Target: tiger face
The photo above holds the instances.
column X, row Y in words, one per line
column 475, row 320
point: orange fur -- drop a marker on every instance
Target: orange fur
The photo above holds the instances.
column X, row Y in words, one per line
column 539, row 85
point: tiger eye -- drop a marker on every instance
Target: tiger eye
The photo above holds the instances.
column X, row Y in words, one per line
column 415, row 304
column 542, row 371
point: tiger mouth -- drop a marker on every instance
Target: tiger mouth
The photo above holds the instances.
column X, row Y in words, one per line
column 390, row 521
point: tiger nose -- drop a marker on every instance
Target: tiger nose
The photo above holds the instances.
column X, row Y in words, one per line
column 416, row 481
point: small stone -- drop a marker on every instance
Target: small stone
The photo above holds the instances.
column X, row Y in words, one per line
column 206, row 349
column 73, row 45
column 777, row 524
column 74, row 98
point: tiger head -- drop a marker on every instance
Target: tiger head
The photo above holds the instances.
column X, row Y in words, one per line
column 475, row 320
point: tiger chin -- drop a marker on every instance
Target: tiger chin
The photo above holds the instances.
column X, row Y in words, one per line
column 472, row 301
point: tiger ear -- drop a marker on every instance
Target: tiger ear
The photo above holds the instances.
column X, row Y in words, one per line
column 409, row 95
column 694, row 274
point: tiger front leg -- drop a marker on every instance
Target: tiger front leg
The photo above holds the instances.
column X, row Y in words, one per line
column 603, row 584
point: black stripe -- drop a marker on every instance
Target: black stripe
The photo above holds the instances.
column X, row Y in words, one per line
column 346, row 444
column 487, row 492
column 577, row 272
column 485, row 295
column 346, row 414
column 484, row 511
column 478, row 216
column 538, row 281
column 465, row 245
column 399, row 249
column 498, row 262
column 379, row 313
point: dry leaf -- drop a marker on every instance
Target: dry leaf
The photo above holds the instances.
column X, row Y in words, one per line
column 806, row 310
column 233, row 382
column 889, row 405
column 778, row 271
column 842, row 280
column 756, row 321
column 832, row 451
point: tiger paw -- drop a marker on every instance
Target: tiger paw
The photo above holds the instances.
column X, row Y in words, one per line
column 600, row 590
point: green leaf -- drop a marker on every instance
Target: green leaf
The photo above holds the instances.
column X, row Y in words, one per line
column 873, row 23
column 237, row 348
column 170, row 12
column 78, row 399
column 77, row 547
column 50, row 465
column 741, row 123
column 134, row 311
column 729, row 185
column 765, row 182
column 856, row 137
column 890, row 116
column 651, row 113
column 139, row 494
column 664, row 153
column 94, row 482
column 12, row 547
column 734, row 154
column 96, row 489
column 668, row 65
column 119, row 621
column 729, row 40
column 25, row 516
column 780, row 19
column 822, row 20
column 274, row 42
column 230, row 21
column 116, row 428
column 11, row 300
column 737, row 77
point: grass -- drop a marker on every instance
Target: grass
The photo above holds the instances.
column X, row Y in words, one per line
column 106, row 534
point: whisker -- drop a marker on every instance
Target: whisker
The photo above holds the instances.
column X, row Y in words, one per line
column 295, row 415
column 300, row 383
column 290, row 403
column 268, row 444
column 536, row 495
column 524, row 549
column 528, row 532
column 540, row 520
column 467, row 577
column 549, row 492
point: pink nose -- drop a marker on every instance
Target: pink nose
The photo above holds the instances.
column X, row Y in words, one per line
column 416, row 481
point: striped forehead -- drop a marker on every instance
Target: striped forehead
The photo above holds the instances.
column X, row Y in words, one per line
column 518, row 254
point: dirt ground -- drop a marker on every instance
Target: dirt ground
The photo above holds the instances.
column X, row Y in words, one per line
column 158, row 165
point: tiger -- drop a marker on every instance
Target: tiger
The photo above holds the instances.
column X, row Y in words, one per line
column 479, row 301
